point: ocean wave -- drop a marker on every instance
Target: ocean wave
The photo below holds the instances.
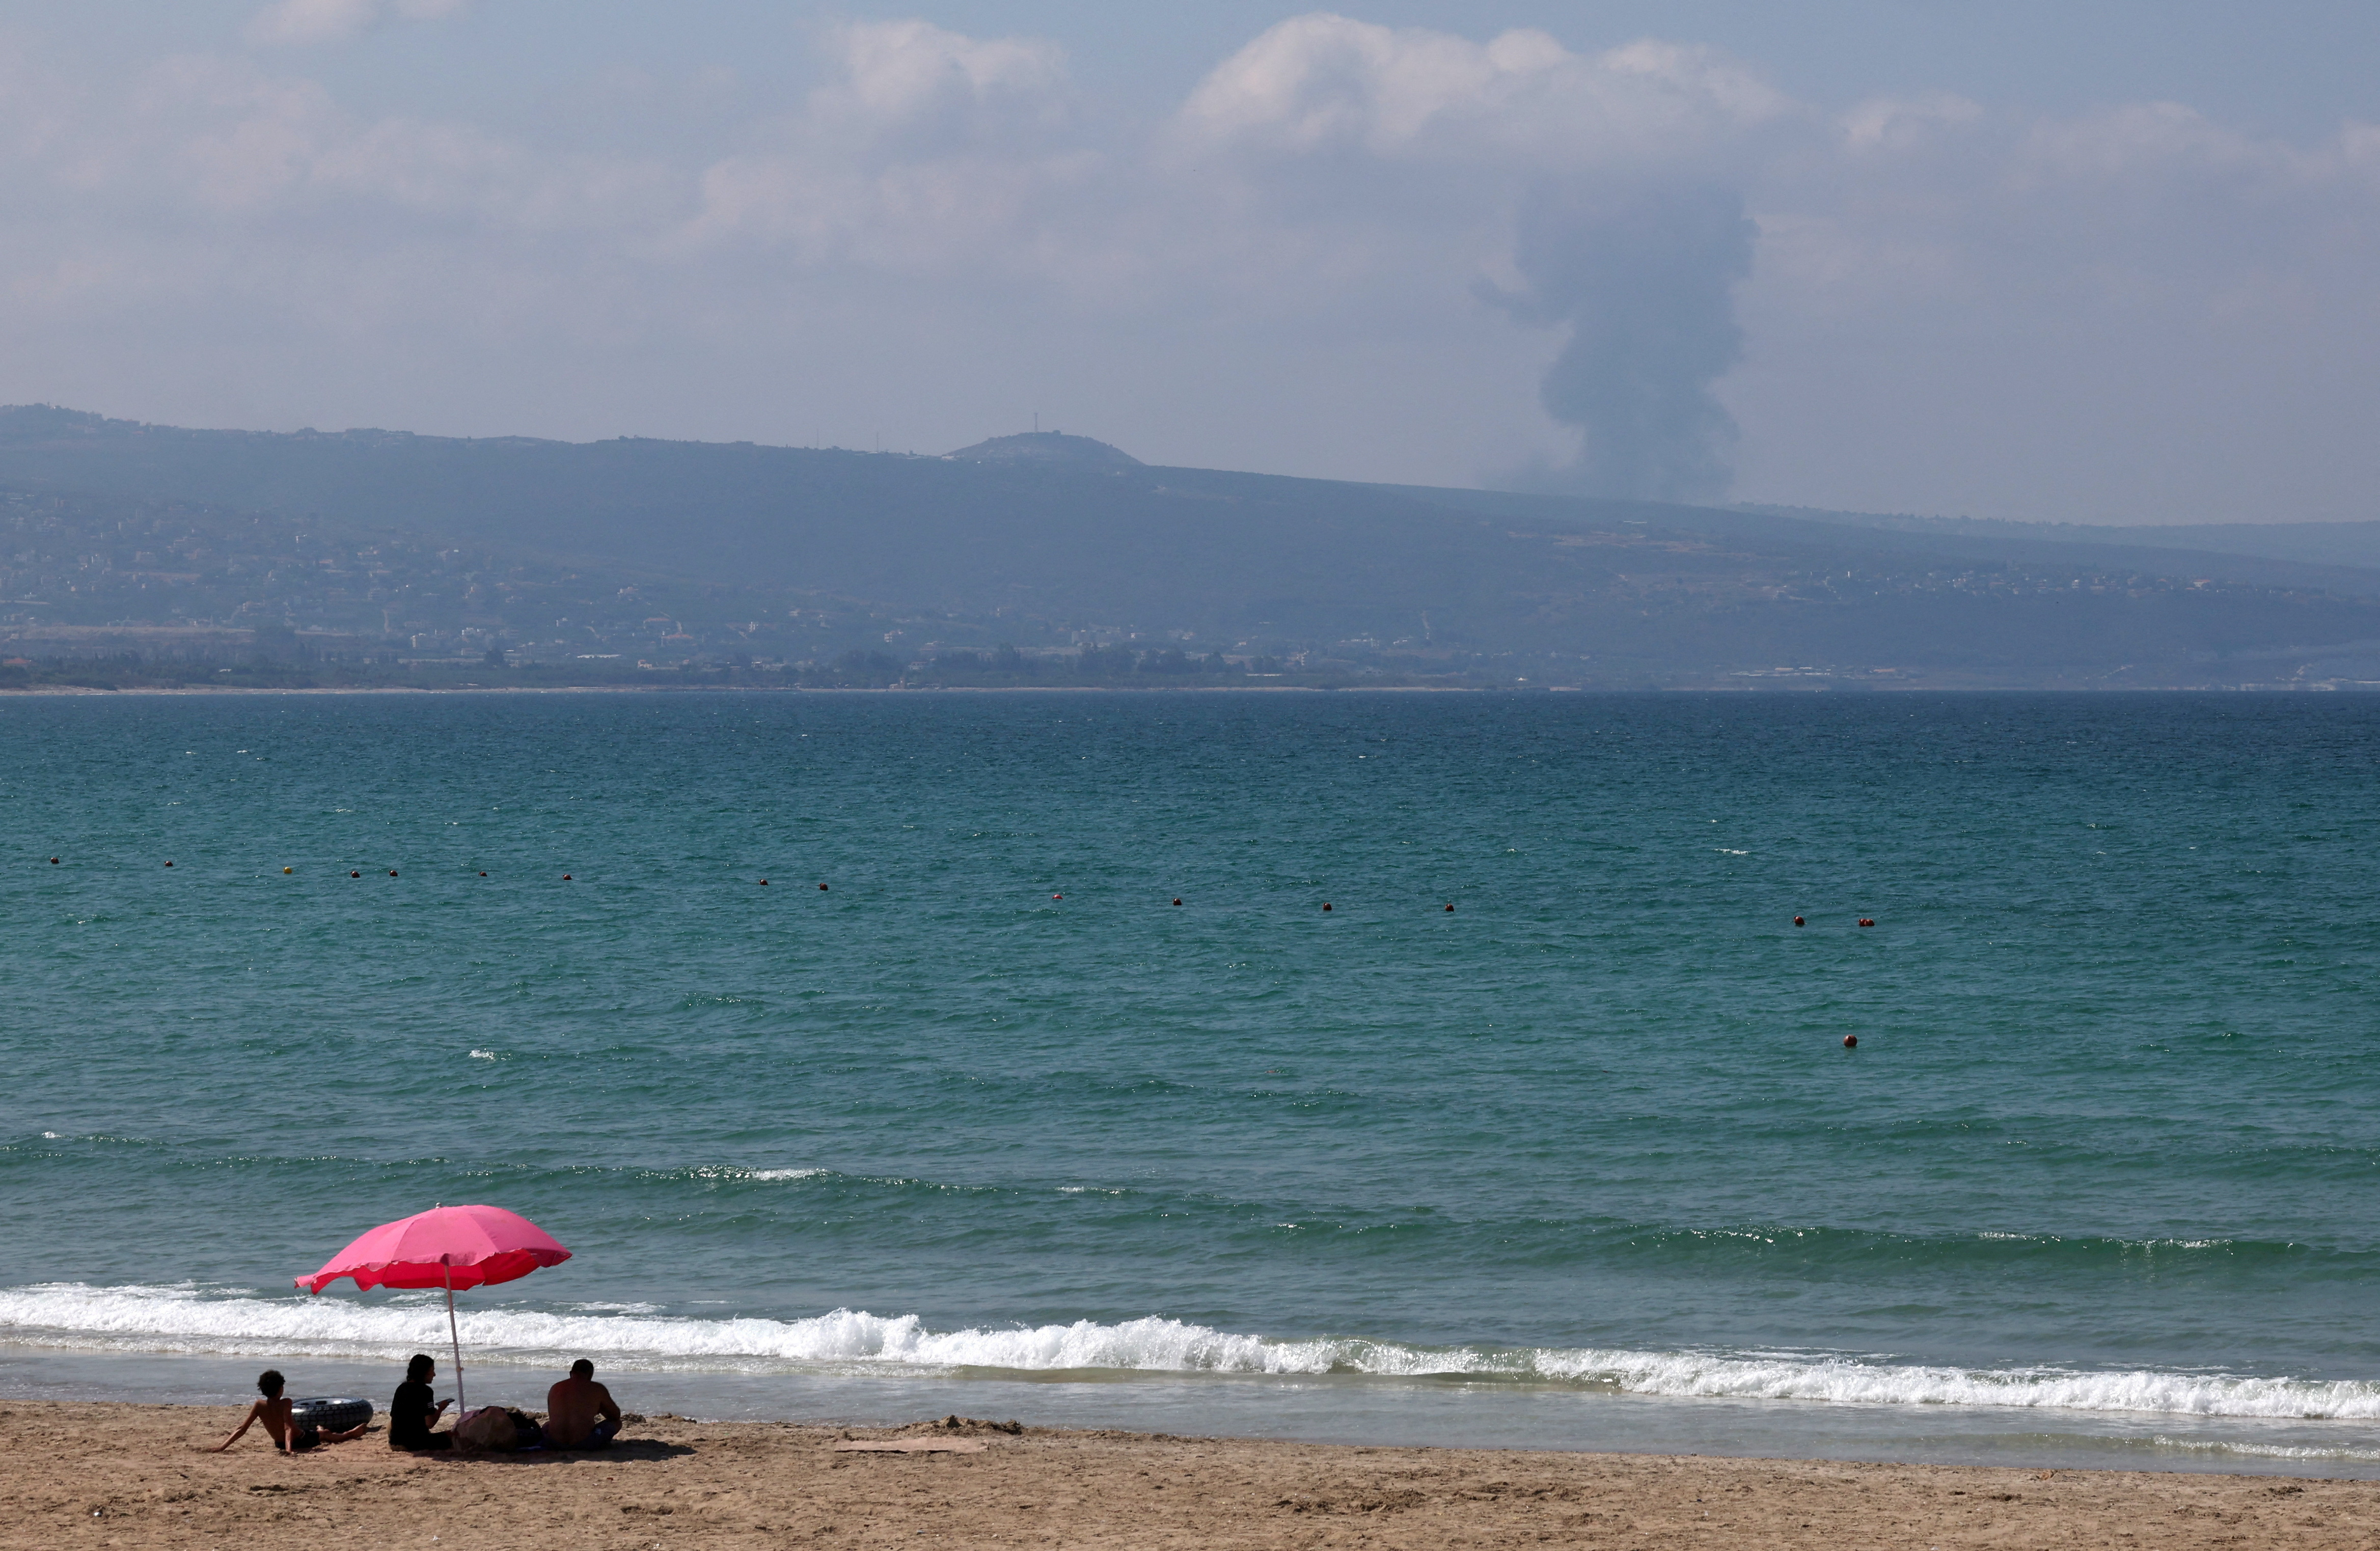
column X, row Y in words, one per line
column 2262, row 1451
column 1822, row 1244
column 194, row 1320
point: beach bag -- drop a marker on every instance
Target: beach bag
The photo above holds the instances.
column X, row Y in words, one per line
column 487, row 1430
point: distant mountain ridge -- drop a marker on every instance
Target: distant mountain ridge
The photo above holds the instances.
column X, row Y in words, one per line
column 1049, row 540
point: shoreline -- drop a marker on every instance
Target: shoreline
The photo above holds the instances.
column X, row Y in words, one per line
column 1336, row 1409
column 137, row 1476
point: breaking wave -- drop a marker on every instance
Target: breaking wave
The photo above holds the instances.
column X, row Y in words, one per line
column 223, row 1322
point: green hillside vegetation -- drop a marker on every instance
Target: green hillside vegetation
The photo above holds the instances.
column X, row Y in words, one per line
column 1056, row 560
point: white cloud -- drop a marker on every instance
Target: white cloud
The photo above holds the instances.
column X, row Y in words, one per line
column 1904, row 123
column 899, row 75
column 316, row 21
column 1324, row 84
column 927, row 151
column 210, row 140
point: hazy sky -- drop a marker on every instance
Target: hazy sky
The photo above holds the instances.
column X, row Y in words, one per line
column 2103, row 261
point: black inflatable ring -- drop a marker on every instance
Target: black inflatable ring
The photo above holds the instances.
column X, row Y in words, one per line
column 331, row 1415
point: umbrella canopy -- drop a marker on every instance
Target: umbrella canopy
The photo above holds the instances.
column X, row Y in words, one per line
column 447, row 1247
column 454, row 1247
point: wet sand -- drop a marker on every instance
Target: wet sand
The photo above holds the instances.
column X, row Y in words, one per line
column 96, row 1474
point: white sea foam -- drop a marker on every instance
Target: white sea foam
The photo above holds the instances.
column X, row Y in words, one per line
column 189, row 1319
column 2263, row 1451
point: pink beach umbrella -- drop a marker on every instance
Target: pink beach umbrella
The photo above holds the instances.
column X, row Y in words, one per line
column 448, row 1247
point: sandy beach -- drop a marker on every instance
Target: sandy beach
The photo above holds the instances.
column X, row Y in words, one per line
column 135, row 1475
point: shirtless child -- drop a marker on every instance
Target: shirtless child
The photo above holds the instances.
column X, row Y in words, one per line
column 579, row 1412
column 288, row 1435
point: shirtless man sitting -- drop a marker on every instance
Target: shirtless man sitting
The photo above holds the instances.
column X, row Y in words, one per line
column 288, row 1435
column 579, row 1412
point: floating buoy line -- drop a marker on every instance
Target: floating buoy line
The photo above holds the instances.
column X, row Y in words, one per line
column 1849, row 1040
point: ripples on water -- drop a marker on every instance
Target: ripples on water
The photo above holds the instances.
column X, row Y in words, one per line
column 2105, row 1141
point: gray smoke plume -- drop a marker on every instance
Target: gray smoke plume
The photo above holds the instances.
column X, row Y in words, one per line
column 1645, row 277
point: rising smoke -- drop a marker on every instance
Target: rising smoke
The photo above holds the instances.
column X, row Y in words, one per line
column 1645, row 278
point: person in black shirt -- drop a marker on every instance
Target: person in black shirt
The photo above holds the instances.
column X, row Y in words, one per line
column 412, row 1414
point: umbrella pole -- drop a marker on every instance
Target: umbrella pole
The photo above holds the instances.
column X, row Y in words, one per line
column 455, row 1337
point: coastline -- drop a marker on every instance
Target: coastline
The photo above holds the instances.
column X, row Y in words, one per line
column 1419, row 1412
column 137, row 1476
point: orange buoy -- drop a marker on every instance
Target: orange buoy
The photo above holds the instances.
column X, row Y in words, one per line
column 1177, row 902
column 288, row 869
column 392, row 872
column 1851, row 1042
column 1057, row 896
column 821, row 888
column 355, row 875
column 169, row 863
column 566, row 878
column 1867, row 921
column 53, row 861
column 764, row 883
column 1449, row 909
column 1797, row 920
column 1326, row 904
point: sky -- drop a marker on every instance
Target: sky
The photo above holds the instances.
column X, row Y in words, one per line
column 2110, row 262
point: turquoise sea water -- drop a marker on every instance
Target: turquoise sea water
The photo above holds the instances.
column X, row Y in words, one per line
column 1588, row 1147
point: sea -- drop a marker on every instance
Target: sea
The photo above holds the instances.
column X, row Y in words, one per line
column 1468, row 1068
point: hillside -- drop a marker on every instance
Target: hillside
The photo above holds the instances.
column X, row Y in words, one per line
column 2341, row 544
column 631, row 549
column 1050, row 449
